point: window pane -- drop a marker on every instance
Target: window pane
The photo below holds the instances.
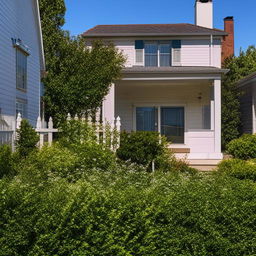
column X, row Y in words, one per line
column 172, row 124
column 151, row 48
column 165, row 60
column 164, row 48
column 21, row 70
column 146, row 119
column 151, row 60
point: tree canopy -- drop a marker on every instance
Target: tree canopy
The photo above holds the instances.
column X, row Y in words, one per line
column 239, row 67
column 78, row 76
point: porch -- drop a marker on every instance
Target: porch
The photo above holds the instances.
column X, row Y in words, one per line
column 179, row 103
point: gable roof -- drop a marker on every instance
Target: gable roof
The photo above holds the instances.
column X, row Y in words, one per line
column 181, row 29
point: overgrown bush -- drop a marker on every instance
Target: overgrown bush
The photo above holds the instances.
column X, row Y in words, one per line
column 6, row 161
column 142, row 148
column 243, row 148
column 129, row 213
column 27, row 139
column 239, row 169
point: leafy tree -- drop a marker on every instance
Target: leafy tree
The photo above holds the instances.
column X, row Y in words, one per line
column 27, row 139
column 239, row 67
column 78, row 77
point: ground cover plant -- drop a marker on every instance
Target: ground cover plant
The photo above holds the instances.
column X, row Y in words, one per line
column 68, row 200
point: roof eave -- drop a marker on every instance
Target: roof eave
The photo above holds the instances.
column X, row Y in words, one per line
column 151, row 34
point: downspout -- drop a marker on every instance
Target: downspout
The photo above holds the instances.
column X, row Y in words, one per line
column 211, row 50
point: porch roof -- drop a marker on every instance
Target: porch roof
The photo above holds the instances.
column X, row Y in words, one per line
column 174, row 70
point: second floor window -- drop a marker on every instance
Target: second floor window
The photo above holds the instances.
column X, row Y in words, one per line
column 158, row 53
column 21, row 70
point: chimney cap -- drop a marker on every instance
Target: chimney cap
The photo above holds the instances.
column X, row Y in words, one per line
column 229, row 18
column 204, row 1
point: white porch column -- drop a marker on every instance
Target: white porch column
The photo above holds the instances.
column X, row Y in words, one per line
column 217, row 116
column 109, row 105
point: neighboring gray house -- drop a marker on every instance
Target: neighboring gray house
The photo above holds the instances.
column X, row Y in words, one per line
column 22, row 60
column 248, row 100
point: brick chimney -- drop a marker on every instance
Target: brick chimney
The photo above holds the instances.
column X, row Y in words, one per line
column 228, row 45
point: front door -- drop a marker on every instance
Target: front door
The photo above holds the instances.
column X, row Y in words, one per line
column 172, row 123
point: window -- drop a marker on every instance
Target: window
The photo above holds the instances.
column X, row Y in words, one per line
column 151, row 54
column 172, row 121
column 159, row 53
column 21, row 70
column 21, row 107
column 165, row 54
column 207, row 117
column 147, row 119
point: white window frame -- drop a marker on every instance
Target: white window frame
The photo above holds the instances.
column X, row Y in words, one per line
column 159, row 106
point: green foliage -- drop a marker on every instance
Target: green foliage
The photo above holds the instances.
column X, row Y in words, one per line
column 142, row 147
column 239, row 169
column 27, row 139
column 128, row 213
column 6, row 161
column 243, row 147
column 78, row 78
column 239, row 67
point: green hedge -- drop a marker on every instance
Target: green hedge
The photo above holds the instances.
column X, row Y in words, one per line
column 243, row 148
column 128, row 213
column 239, row 169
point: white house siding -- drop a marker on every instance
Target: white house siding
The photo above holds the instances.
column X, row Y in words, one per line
column 18, row 19
column 194, row 52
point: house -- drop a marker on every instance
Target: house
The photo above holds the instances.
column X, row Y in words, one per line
column 171, row 82
column 22, row 60
column 247, row 87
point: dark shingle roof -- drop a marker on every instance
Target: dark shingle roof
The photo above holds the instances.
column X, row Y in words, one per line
column 182, row 29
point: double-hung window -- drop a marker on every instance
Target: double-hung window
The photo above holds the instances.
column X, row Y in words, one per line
column 159, row 53
column 21, row 70
column 165, row 54
column 151, row 54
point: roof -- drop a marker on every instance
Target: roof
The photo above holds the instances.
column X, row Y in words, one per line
column 176, row 70
column 181, row 29
column 247, row 79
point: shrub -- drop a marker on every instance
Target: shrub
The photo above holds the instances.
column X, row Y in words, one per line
column 129, row 213
column 142, row 148
column 27, row 139
column 6, row 161
column 239, row 169
column 243, row 148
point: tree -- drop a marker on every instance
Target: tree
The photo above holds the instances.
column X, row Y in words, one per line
column 27, row 139
column 239, row 67
column 78, row 77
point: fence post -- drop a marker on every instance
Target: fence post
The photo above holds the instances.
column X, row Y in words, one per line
column 69, row 117
column 50, row 127
column 118, row 129
column 18, row 121
column 112, row 130
column 41, row 135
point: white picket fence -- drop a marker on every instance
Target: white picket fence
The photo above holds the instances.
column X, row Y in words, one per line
column 107, row 133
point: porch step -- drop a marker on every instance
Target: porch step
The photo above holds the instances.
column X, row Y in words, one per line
column 180, row 150
column 204, row 165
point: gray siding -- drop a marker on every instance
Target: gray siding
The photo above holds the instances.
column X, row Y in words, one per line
column 18, row 19
column 246, row 110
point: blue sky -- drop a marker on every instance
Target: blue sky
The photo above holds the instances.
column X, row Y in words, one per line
column 84, row 14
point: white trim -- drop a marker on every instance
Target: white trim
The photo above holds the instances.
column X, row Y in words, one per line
column 168, row 78
column 217, row 117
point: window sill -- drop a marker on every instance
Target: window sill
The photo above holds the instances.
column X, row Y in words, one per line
column 22, row 90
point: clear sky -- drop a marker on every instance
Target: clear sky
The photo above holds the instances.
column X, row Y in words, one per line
column 84, row 14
